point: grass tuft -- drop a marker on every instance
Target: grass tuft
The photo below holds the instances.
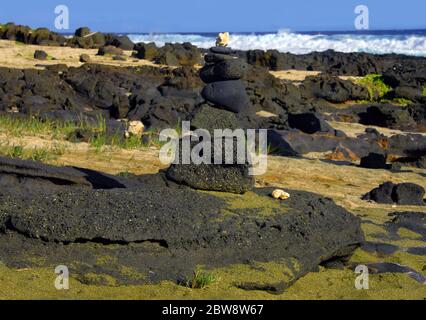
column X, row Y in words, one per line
column 46, row 155
column 200, row 279
column 31, row 126
column 375, row 85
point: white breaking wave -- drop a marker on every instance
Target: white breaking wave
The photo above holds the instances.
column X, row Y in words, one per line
column 285, row 41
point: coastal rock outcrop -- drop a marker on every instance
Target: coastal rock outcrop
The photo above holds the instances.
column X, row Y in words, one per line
column 144, row 226
column 402, row 194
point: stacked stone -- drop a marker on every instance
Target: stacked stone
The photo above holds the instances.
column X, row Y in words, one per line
column 224, row 90
column 222, row 74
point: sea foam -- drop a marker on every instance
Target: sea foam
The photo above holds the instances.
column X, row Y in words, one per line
column 285, row 41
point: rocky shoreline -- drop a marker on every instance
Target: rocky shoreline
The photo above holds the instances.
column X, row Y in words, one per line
column 165, row 225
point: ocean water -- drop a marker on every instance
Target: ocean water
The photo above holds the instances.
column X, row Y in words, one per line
column 410, row 42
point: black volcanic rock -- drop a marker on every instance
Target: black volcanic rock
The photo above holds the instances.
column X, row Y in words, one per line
column 382, row 194
column 109, row 50
column 143, row 221
column 122, row 42
column 222, row 50
column 146, row 229
column 234, row 177
column 85, row 58
column 408, row 194
column 308, row 123
column 179, row 55
column 231, row 95
column 147, row 51
column 82, row 32
column 216, row 57
column 387, row 116
column 210, row 118
column 40, row 55
column 402, row 194
column 374, row 161
column 225, row 70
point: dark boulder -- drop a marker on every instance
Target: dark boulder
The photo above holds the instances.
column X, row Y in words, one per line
column 332, row 89
column 374, row 161
column 408, row 194
column 85, row 58
column 308, row 123
column 109, row 51
column 387, row 116
column 122, row 42
column 233, row 178
column 82, row 32
column 222, row 71
column 402, row 194
column 40, row 55
column 225, row 230
column 147, row 51
column 216, row 57
column 119, row 58
column 179, row 55
column 382, row 194
column 210, row 118
column 81, row 42
column 222, row 50
column 231, row 95
column 410, row 93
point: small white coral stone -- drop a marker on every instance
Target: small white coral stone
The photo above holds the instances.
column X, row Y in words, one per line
column 135, row 128
column 280, row 194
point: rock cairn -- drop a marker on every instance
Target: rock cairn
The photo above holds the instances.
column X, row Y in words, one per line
column 222, row 74
column 226, row 93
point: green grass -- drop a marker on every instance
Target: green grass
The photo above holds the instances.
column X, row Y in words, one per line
column 375, row 86
column 21, row 126
column 30, row 126
column 424, row 91
column 403, row 102
column 36, row 154
column 200, row 279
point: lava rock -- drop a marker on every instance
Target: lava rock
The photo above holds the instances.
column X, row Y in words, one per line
column 122, row 42
column 216, row 57
column 222, row 50
column 231, row 95
column 82, row 32
column 147, row 51
column 382, row 194
column 179, row 55
column 119, row 58
column 233, row 178
column 40, row 55
column 311, row 228
column 85, row 58
column 387, row 116
column 110, row 50
column 225, row 70
column 408, row 194
column 374, row 161
column 402, row 194
column 309, row 123
column 210, row 118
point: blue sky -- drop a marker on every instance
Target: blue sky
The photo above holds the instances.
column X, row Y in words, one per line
column 229, row 15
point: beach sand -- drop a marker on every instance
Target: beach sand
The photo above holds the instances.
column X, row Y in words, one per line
column 20, row 56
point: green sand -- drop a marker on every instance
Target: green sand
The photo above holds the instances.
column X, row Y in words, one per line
column 38, row 283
